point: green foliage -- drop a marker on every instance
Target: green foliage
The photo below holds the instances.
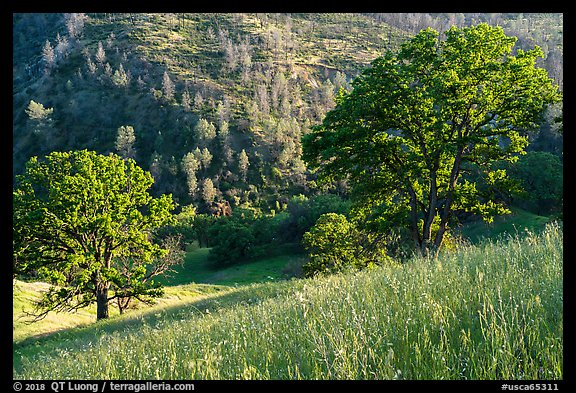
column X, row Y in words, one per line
column 233, row 242
column 120, row 78
column 208, row 191
column 332, row 245
column 241, row 236
column 82, row 221
column 125, row 142
column 303, row 212
column 243, row 164
column 41, row 123
column 185, row 226
column 204, row 131
column 249, row 234
column 417, row 116
column 335, row 244
column 37, row 111
column 541, row 177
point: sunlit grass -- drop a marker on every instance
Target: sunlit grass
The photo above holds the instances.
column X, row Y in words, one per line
column 26, row 293
column 490, row 311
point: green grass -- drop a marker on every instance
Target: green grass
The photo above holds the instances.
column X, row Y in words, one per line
column 197, row 268
column 24, row 294
column 489, row 311
column 516, row 223
column 195, row 278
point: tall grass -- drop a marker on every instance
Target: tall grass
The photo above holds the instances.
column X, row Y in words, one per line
column 491, row 311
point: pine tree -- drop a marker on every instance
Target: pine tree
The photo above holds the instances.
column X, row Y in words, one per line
column 125, row 142
column 243, row 164
column 186, row 101
column 208, row 191
column 120, row 78
column 100, row 53
column 167, row 87
column 198, row 100
column 91, row 65
column 36, row 111
column 75, row 24
column 62, row 46
column 204, row 131
column 190, row 164
column 224, row 131
column 42, row 126
column 205, row 158
column 48, row 56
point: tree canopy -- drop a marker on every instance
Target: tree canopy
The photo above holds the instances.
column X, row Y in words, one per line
column 419, row 119
column 83, row 222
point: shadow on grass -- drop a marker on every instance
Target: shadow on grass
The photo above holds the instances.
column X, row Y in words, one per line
column 133, row 321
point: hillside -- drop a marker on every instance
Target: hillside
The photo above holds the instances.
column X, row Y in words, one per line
column 487, row 312
column 257, row 80
column 217, row 102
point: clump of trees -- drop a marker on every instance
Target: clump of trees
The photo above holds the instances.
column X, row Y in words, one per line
column 250, row 233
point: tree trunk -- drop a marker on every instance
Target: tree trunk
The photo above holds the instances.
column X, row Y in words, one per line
column 123, row 303
column 449, row 199
column 430, row 215
column 102, row 303
column 414, row 220
column 102, row 286
column 440, row 236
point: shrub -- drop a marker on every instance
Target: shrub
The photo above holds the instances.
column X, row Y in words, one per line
column 331, row 243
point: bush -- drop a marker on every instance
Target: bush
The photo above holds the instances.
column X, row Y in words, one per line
column 233, row 240
column 332, row 245
column 241, row 236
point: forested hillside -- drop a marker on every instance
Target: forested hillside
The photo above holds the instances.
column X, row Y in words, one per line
column 215, row 105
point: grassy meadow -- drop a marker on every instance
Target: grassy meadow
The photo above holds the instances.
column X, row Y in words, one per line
column 197, row 268
column 493, row 310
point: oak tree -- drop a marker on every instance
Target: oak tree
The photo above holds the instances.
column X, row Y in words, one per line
column 83, row 222
column 418, row 119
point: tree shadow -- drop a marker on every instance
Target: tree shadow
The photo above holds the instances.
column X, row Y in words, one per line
column 153, row 316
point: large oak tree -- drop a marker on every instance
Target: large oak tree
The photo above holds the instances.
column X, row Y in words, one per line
column 419, row 118
column 83, row 222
